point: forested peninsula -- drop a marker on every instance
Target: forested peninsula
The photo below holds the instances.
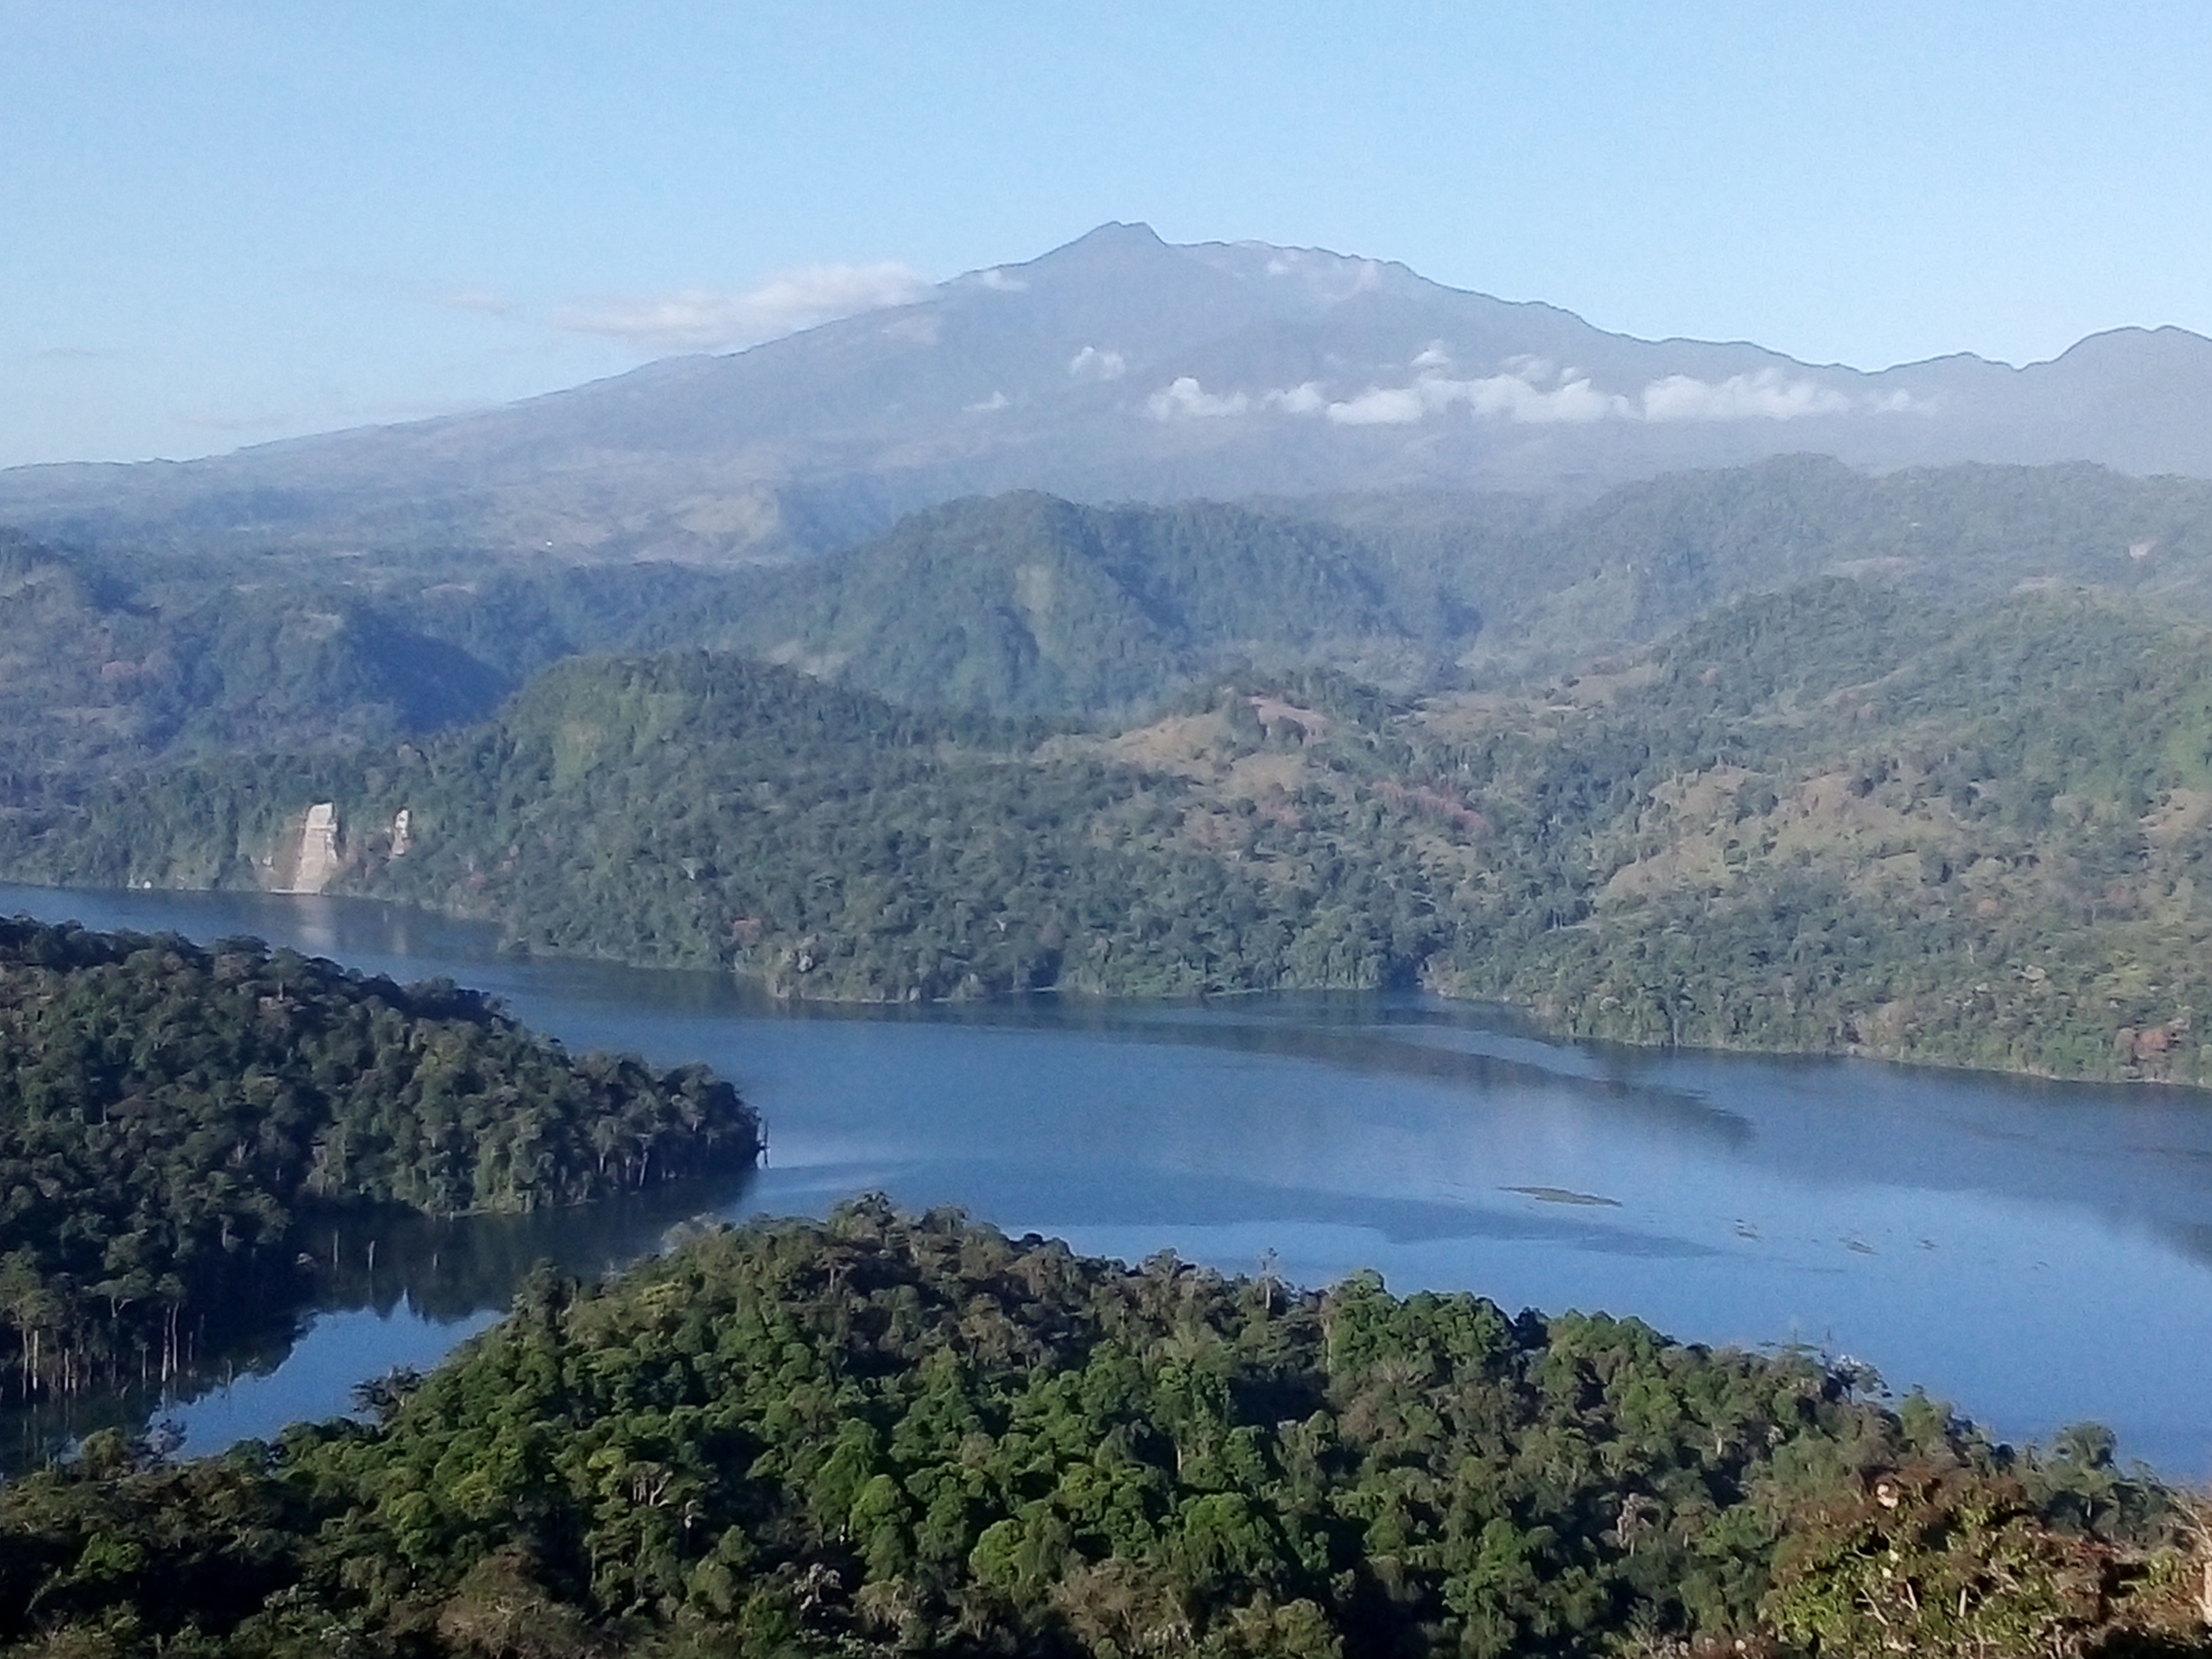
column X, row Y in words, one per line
column 886, row 1434
column 1833, row 819
column 170, row 1115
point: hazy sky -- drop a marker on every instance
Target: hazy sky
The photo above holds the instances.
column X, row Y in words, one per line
column 224, row 220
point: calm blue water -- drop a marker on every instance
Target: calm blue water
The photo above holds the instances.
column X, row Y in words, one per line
column 2037, row 1254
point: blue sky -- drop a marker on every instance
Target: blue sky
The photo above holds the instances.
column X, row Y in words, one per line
column 226, row 221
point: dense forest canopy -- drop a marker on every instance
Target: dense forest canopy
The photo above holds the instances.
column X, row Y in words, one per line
column 1832, row 819
column 1556, row 588
column 104, row 673
column 895, row 1435
column 170, row 1114
column 131, row 657
column 1028, row 604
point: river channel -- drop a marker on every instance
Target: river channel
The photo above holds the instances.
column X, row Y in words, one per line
column 2037, row 1254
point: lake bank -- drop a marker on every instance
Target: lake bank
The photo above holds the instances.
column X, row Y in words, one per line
column 2039, row 1253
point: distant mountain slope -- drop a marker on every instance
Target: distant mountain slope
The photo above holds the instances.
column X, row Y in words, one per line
column 1025, row 603
column 1028, row 604
column 1120, row 367
column 1554, row 587
column 99, row 671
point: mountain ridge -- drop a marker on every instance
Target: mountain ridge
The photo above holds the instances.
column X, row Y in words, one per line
column 1838, row 818
column 1120, row 367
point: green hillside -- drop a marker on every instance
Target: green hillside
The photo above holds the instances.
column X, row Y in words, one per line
column 914, row 1436
column 1556, row 583
column 1834, row 819
column 1025, row 604
column 701, row 810
column 168, row 1114
column 102, row 669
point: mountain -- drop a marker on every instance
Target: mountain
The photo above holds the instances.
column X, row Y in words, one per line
column 1554, row 587
column 1120, row 367
column 1026, row 604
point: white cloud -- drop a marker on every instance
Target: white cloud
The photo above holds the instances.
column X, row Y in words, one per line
column 1533, row 392
column 1001, row 280
column 1768, row 395
column 1433, row 355
column 702, row 319
column 1092, row 364
column 1574, row 401
column 1511, row 396
column 1382, row 406
column 1186, row 399
column 991, row 405
column 64, row 354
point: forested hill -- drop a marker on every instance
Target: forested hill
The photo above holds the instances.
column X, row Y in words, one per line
column 891, row 1436
column 1025, row 604
column 1555, row 584
column 697, row 809
column 104, row 668
column 1835, row 819
column 169, row 1113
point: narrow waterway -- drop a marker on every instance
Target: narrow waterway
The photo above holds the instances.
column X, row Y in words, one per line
column 2037, row 1254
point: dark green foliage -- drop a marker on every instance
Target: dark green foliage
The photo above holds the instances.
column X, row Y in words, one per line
column 1025, row 604
column 1556, row 583
column 1832, row 823
column 1831, row 819
column 701, row 810
column 167, row 1114
column 891, row 1435
column 106, row 671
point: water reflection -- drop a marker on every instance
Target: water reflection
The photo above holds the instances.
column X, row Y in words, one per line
column 2040, row 1252
column 371, row 1290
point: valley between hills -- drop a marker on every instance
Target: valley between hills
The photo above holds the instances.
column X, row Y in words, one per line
column 1933, row 815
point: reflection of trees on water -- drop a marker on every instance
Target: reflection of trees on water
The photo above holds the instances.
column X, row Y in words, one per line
column 440, row 1270
column 447, row 1269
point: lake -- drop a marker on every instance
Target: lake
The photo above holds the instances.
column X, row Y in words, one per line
column 2037, row 1254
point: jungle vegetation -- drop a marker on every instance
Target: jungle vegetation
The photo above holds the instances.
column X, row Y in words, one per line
column 125, row 656
column 1832, row 820
column 886, row 1434
column 1027, row 604
column 170, row 1116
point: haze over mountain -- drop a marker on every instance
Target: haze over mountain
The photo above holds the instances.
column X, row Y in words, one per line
column 1121, row 367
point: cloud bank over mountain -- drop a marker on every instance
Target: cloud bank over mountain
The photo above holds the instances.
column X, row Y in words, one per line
column 1532, row 392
